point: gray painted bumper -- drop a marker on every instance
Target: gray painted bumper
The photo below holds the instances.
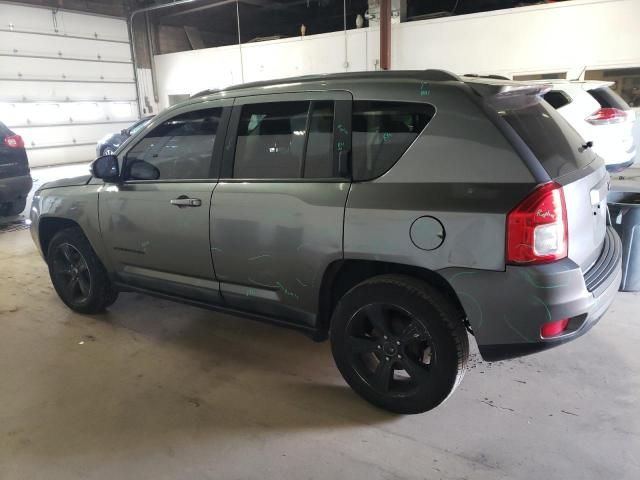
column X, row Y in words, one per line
column 507, row 309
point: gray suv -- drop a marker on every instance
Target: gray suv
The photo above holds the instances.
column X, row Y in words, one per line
column 394, row 212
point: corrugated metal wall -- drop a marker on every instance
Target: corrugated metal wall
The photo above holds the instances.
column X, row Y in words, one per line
column 66, row 80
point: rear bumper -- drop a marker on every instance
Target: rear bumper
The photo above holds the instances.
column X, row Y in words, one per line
column 13, row 188
column 507, row 309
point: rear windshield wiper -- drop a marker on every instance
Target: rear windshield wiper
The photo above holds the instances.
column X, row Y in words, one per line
column 585, row 146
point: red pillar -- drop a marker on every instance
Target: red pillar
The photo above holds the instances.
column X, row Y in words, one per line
column 385, row 34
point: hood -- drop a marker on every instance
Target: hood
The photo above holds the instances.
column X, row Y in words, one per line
column 67, row 182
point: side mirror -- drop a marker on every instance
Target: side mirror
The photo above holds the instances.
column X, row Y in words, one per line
column 106, row 168
column 141, row 170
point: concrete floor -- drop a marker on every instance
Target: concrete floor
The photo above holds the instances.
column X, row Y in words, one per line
column 158, row 390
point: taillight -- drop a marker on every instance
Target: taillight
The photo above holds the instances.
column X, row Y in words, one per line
column 607, row 116
column 14, row 141
column 537, row 229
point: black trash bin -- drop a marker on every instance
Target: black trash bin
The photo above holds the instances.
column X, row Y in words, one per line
column 624, row 208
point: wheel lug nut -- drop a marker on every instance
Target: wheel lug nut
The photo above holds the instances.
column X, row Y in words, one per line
column 400, row 357
column 386, row 358
column 379, row 347
column 398, row 342
column 385, row 337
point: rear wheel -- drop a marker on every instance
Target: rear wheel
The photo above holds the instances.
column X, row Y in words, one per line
column 399, row 343
column 78, row 276
column 13, row 208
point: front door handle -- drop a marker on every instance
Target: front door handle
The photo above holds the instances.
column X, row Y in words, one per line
column 184, row 201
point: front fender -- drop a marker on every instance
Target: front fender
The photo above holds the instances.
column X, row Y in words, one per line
column 55, row 208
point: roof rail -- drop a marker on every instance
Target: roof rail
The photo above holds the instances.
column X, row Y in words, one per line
column 203, row 93
column 495, row 77
column 439, row 75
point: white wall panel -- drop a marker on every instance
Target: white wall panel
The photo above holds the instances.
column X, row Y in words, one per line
column 64, row 113
column 43, row 21
column 16, row 43
column 40, row 137
column 65, row 79
column 42, row 91
column 298, row 56
column 210, row 68
column 57, row 156
column 55, row 69
column 564, row 36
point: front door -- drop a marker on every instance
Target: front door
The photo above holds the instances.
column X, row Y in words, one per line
column 277, row 213
column 155, row 222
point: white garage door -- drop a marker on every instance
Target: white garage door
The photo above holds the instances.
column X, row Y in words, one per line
column 66, row 80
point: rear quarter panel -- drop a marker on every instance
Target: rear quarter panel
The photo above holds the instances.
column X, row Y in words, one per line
column 460, row 170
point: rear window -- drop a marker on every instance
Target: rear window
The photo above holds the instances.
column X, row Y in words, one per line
column 552, row 140
column 607, row 98
column 382, row 132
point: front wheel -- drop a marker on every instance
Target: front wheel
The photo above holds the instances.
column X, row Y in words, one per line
column 399, row 343
column 77, row 274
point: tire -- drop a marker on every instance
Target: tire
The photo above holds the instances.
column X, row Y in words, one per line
column 14, row 208
column 399, row 343
column 77, row 274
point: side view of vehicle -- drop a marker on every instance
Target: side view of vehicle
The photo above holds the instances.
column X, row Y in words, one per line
column 600, row 116
column 15, row 179
column 392, row 212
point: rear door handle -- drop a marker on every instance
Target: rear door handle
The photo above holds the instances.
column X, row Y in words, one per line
column 184, row 201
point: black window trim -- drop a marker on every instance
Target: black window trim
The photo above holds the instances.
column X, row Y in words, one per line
column 341, row 116
column 216, row 154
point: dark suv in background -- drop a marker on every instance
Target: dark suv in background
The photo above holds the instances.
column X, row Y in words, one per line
column 391, row 211
column 15, row 179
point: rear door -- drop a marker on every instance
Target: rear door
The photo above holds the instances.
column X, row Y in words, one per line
column 277, row 213
column 156, row 230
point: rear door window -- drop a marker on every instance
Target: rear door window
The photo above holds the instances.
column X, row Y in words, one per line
column 382, row 132
column 552, row 140
column 270, row 140
column 285, row 140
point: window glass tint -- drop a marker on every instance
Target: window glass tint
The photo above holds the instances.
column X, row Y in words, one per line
column 271, row 139
column 557, row 99
column 551, row 139
column 382, row 132
column 607, row 98
column 319, row 155
column 180, row 148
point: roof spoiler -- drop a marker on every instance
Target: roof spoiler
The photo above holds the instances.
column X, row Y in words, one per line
column 505, row 88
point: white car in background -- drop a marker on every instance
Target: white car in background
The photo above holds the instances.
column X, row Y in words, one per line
column 599, row 115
